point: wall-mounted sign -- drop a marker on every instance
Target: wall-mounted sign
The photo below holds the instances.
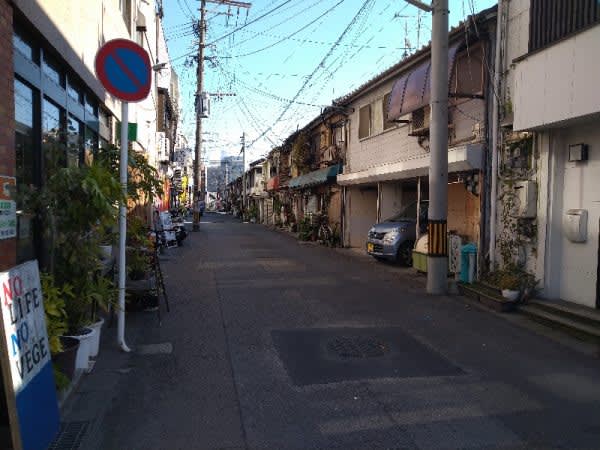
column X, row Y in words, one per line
column 8, row 208
column 26, row 364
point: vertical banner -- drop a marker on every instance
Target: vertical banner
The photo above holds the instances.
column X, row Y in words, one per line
column 26, row 363
column 8, row 208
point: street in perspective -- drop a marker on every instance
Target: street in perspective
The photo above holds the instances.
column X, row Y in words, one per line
column 272, row 225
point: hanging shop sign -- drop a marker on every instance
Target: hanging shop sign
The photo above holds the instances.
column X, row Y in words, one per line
column 26, row 364
column 8, row 208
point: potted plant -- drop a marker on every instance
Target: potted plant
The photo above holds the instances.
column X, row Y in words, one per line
column 510, row 285
column 63, row 349
column 103, row 295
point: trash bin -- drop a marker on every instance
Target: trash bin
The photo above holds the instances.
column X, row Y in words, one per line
column 468, row 263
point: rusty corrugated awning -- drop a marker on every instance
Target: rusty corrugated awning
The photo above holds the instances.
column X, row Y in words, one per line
column 412, row 90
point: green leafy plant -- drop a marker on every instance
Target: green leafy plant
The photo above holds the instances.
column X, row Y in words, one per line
column 55, row 298
column 74, row 206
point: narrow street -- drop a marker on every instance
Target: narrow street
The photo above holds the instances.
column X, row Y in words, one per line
column 277, row 345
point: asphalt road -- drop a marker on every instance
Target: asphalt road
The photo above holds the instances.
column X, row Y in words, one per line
column 277, row 345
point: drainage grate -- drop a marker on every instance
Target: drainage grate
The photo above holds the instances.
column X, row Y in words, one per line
column 70, row 436
column 357, row 347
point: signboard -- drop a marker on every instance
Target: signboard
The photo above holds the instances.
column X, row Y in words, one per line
column 8, row 208
column 123, row 68
column 27, row 367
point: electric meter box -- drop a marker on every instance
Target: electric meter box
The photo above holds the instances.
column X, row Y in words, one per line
column 575, row 225
column 527, row 194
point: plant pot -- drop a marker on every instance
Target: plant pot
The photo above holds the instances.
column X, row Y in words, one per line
column 65, row 360
column 85, row 338
column 509, row 294
column 95, row 341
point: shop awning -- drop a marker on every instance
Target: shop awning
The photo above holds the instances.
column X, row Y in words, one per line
column 315, row 178
column 413, row 90
column 273, row 183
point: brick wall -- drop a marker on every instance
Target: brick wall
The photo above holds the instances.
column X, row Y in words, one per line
column 8, row 247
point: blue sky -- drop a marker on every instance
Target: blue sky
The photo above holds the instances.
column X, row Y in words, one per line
column 284, row 67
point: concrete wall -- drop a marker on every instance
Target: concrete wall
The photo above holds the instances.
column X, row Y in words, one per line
column 361, row 214
column 559, row 83
column 572, row 267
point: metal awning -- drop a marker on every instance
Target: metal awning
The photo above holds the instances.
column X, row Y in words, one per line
column 412, row 90
column 315, row 178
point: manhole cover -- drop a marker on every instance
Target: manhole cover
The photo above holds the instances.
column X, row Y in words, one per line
column 357, row 347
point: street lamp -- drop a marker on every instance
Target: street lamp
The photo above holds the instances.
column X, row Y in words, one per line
column 437, row 258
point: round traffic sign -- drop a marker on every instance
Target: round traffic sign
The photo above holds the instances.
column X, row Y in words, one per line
column 123, row 68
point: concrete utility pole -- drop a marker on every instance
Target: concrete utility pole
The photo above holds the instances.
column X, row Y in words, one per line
column 199, row 104
column 199, row 112
column 244, row 175
column 437, row 258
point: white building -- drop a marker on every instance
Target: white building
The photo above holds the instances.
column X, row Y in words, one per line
column 388, row 144
column 551, row 89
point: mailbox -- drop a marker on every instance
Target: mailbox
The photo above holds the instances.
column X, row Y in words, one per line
column 575, row 225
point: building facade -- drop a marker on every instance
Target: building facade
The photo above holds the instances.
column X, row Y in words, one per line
column 49, row 66
column 387, row 157
column 548, row 209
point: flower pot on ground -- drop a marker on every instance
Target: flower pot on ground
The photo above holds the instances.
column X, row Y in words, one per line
column 85, row 338
column 95, row 343
column 510, row 294
column 64, row 360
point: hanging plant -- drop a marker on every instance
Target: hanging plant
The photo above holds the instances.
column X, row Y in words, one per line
column 301, row 156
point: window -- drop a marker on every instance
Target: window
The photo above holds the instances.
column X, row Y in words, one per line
column 387, row 124
column 90, row 147
column 53, row 136
column 25, row 165
column 91, row 105
column 125, row 7
column 25, row 46
column 337, row 135
column 468, row 77
column 74, row 91
column 364, row 122
column 74, row 141
column 552, row 20
column 52, row 70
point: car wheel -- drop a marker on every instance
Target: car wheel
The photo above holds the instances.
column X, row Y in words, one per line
column 404, row 254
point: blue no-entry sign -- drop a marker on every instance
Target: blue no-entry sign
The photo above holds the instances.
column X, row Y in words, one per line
column 123, row 68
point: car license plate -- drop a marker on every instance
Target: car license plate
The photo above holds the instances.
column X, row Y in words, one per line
column 369, row 247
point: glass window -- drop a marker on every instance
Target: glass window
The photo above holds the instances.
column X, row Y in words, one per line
column 52, row 136
column 52, row 70
column 25, row 46
column 364, row 122
column 91, row 106
column 25, row 174
column 105, row 118
column 74, row 141
column 90, row 146
column 75, row 91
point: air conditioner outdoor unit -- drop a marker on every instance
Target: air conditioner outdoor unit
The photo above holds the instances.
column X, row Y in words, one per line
column 419, row 123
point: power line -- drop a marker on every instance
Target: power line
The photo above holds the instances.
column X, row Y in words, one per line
column 289, row 36
column 250, row 23
column 317, row 68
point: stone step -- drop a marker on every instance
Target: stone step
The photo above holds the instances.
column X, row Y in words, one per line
column 572, row 326
column 579, row 313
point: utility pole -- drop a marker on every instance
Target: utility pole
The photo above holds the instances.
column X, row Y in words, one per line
column 200, row 105
column 244, row 175
column 437, row 258
column 199, row 112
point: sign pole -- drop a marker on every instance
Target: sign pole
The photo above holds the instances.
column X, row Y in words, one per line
column 123, row 224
